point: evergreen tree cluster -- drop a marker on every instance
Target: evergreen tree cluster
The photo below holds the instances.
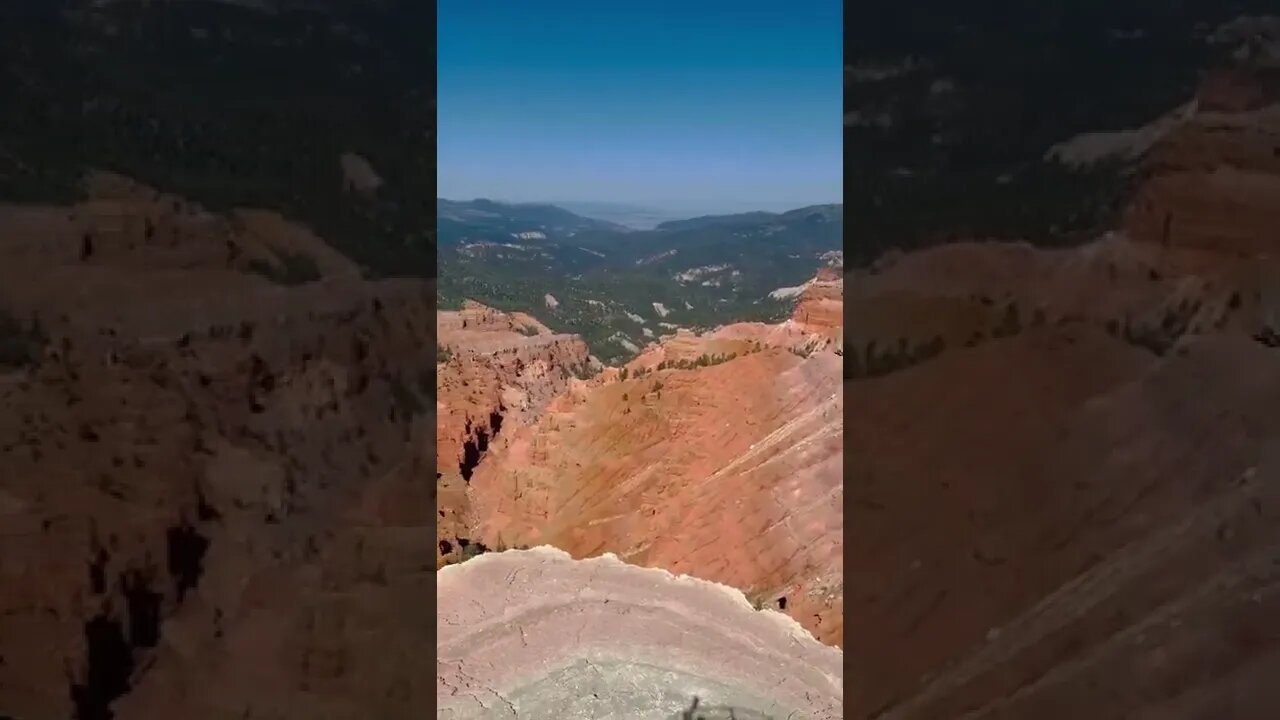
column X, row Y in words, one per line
column 703, row 360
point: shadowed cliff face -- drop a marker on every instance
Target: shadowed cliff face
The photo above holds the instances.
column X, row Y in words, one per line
column 716, row 455
column 198, row 443
column 1069, row 510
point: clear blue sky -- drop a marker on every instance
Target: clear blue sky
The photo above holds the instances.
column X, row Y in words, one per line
column 698, row 105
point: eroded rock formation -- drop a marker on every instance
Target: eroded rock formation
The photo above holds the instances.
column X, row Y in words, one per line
column 499, row 372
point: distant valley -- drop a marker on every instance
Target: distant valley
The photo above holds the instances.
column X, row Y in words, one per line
column 621, row 288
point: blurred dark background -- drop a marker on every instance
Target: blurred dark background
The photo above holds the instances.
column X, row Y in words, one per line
column 951, row 107
column 231, row 103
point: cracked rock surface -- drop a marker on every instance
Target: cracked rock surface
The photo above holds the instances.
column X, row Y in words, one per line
column 536, row 634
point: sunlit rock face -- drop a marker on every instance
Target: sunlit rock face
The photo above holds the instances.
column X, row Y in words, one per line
column 496, row 371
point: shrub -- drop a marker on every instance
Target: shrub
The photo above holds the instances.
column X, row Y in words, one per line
column 471, row 550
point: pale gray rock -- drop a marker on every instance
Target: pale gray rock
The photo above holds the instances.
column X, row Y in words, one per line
column 536, row 634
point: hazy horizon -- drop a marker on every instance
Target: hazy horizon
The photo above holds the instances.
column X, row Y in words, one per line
column 707, row 109
column 724, row 208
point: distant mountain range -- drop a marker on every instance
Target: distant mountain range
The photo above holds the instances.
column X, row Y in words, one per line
column 481, row 218
column 619, row 287
column 484, row 219
column 812, row 214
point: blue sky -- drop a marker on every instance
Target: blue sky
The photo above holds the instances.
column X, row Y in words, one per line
column 700, row 105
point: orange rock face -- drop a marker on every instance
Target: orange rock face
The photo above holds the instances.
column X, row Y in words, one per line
column 729, row 472
column 502, row 370
column 821, row 307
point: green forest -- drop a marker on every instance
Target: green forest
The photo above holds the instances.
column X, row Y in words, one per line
column 701, row 273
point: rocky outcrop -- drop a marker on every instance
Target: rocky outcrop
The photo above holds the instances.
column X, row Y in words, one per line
column 536, row 634
column 820, row 310
column 197, row 448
